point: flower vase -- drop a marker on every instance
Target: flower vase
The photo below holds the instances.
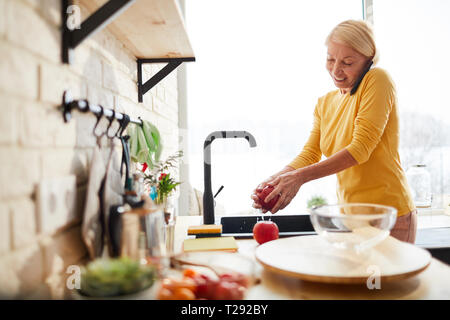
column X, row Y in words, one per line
column 169, row 213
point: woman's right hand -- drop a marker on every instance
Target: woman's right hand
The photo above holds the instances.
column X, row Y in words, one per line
column 256, row 204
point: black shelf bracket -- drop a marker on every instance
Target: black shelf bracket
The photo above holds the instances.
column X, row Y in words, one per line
column 172, row 64
column 73, row 35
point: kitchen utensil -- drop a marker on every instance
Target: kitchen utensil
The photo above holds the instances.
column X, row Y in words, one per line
column 210, row 244
column 111, row 194
column 311, row 258
column 142, row 233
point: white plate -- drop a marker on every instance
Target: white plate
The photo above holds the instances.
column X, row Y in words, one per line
column 312, row 258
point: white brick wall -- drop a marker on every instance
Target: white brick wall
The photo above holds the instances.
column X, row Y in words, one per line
column 5, row 225
column 19, row 70
column 2, row 18
column 19, row 171
column 55, row 78
column 36, row 145
column 27, row 29
column 9, row 120
column 22, row 272
column 87, row 63
column 23, row 224
column 49, row 10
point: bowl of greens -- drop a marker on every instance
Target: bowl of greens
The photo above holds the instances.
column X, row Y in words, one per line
column 110, row 278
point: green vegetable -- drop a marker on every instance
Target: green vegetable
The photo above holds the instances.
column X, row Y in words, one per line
column 114, row 277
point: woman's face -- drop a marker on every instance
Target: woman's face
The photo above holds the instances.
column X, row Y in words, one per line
column 345, row 65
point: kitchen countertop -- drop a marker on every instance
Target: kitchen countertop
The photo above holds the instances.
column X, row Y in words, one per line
column 433, row 238
column 433, row 283
column 425, row 221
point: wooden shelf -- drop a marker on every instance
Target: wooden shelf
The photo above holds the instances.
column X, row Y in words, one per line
column 151, row 29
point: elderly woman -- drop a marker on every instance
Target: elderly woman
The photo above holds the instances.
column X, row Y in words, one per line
column 356, row 128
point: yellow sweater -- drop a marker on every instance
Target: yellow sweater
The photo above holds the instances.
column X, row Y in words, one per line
column 366, row 124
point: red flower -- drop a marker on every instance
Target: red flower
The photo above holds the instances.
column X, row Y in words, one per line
column 144, row 166
column 162, row 176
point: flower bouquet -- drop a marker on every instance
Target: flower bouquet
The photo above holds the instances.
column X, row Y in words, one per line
column 159, row 180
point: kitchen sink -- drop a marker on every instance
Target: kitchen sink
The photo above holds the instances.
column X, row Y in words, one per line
column 288, row 225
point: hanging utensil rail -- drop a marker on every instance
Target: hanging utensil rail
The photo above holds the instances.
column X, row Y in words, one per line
column 68, row 104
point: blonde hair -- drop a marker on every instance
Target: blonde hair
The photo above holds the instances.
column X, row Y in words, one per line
column 356, row 34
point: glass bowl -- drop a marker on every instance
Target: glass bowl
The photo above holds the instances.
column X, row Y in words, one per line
column 354, row 226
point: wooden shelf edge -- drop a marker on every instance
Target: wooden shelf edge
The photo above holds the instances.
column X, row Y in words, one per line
column 150, row 29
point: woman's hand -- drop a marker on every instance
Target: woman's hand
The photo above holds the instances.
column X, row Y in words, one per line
column 262, row 185
column 286, row 185
column 259, row 188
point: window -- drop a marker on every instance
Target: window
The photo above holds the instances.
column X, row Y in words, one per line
column 413, row 38
column 260, row 67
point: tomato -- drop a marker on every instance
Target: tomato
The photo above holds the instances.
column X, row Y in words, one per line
column 189, row 273
column 262, row 196
column 183, row 294
column 173, row 284
column 230, row 286
column 264, row 231
column 165, row 294
column 205, row 286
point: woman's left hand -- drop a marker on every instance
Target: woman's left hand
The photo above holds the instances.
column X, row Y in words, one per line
column 286, row 185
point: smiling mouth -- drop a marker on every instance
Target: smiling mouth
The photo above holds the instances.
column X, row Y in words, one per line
column 339, row 79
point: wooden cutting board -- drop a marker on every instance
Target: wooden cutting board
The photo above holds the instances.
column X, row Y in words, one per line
column 311, row 258
column 210, row 244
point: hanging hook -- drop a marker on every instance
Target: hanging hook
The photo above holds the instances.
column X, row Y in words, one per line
column 99, row 117
column 111, row 120
column 123, row 125
column 118, row 129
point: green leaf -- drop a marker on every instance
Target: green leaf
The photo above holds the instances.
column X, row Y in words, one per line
column 133, row 143
column 147, row 129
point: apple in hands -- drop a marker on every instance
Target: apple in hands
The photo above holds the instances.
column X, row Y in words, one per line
column 262, row 196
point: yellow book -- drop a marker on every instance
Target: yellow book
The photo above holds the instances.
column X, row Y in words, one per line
column 210, row 244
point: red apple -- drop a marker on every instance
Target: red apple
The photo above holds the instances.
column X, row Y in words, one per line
column 264, row 231
column 262, row 196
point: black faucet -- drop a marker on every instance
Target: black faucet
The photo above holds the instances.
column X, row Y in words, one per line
column 208, row 199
